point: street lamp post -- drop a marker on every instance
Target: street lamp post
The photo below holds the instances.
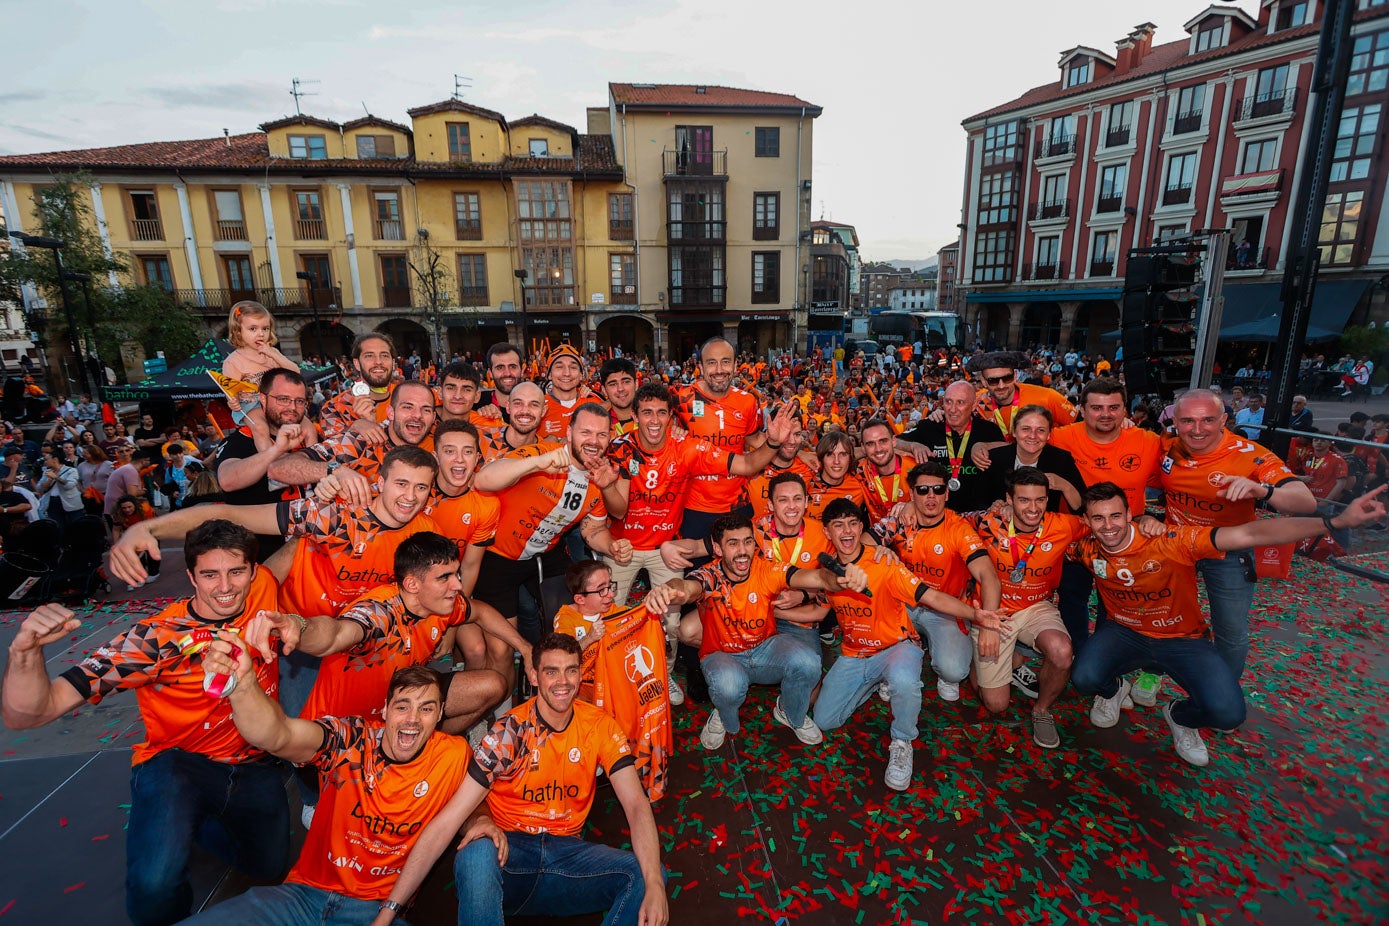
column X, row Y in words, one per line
column 313, row 307
column 92, row 354
column 525, row 327
column 56, row 245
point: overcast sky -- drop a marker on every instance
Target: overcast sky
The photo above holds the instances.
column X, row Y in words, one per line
column 895, row 78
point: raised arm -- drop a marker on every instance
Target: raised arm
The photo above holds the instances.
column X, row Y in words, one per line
column 1269, row 532
column 29, row 697
column 239, row 474
column 144, row 537
column 258, row 717
column 504, row 472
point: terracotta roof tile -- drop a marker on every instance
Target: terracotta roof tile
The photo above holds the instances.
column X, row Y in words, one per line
column 375, row 120
column 689, row 96
column 455, row 106
column 299, row 120
column 537, row 119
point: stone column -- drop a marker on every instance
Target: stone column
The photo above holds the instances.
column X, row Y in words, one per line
column 1068, row 323
column 1015, row 313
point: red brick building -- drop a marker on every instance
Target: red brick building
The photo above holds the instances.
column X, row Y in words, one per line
column 1153, row 141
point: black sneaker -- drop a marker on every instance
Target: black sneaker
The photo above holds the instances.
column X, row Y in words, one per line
column 1025, row 680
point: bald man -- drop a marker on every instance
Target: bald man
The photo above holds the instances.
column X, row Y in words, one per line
column 950, row 441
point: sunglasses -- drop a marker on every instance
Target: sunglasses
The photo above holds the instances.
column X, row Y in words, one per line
column 999, row 380
column 931, row 490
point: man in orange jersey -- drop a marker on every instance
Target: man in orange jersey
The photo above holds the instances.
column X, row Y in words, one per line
column 382, row 779
column 409, row 423
column 880, row 642
column 1148, row 582
column 1212, row 478
column 1104, row 451
column 944, row 552
column 1027, row 549
column 536, row 769
column 545, row 490
column 362, row 407
column 713, row 410
column 618, row 377
column 1325, row 471
column 194, row 778
column 525, row 406
column 1000, row 393
column 883, row 470
column 459, row 389
column 834, row 477
column 564, row 367
column 736, row 597
column 396, row 625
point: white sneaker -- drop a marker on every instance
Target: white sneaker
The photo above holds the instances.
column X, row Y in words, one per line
column 1187, row 740
column 306, row 815
column 713, row 734
column 898, row 776
column 807, row 732
column 1146, row 688
column 884, row 692
column 676, row 693
column 948, row 691
column 1104, row 712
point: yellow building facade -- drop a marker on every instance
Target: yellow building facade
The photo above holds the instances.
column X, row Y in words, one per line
column 534, row 230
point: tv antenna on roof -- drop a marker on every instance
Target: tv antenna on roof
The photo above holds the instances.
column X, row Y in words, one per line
column 461, row 83
column 297, row 91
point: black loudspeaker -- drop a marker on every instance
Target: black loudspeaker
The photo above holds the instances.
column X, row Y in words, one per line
column 1157, row 320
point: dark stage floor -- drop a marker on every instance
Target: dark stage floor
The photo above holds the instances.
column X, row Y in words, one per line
column 1287, row 825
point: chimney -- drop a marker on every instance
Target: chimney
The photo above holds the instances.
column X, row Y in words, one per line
column 1142, row 38
column 1123, row 55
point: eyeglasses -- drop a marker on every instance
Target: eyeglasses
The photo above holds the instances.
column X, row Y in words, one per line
column 610, row 589
column 288, row 400
column 999, row 380
column 931, row 490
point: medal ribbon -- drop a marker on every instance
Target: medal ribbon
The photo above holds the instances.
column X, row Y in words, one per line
column 998, row 412
column 776, row 545
column 956, row 459
column 896, row 479
column 1020, row 563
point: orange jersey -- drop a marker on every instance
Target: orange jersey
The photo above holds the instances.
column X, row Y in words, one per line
column 1062, row 411
column 337, row 412
column 737, row 615
column 495, row 444
column 1041, row 573
column 621, row 428
column 882, row 492
column 542, row 780
column 1192, row 481
column 871, row 625
column 726, row 423
column 1150, row 585
column 819, row 493
column 939, row 555
column 538, row 509
column 372, row 809
column 343, row 552
column 177, row 712
column 352, row 451
column 353, row 683
column 658, row 483
column 1129, row 461
column 800, row 549
column 469, row 519
column 1325, row 471
column 555, row 423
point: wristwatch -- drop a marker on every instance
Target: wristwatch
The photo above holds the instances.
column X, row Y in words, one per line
column 333, row 465
column 1269, row 493
column 393, row 905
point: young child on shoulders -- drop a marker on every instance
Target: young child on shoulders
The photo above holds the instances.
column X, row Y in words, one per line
column 251, row 330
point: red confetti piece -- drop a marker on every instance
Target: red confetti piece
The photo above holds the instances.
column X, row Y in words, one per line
column 72, row 887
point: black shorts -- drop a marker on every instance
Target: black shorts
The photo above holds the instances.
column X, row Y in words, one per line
column 499, row 580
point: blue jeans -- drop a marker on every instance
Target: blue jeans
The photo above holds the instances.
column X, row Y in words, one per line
column 298, row 672
column 951, row 651
column 546, row 876
column 291, row 905
column 852, row 679
column 1215, row 696
column 1073, row 601
column 177, row 798
column 1230, row 589
column 802, row 633
column 779, row 659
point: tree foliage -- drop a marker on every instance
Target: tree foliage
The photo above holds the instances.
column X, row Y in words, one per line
column 108, row 316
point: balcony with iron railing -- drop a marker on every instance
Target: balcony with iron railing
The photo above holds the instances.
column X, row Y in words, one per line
column 395, row 297
column 620, row 231
column 1055, row 209
column 698, row 296
column 625, row 295
column 231, row 230
column 1187, row 122
column 689, row 163
column 1272, row 103
column 388, row 229
column 310, row 230
column 1102, row 268
column 218, row 302
column 468, row 229
column 1109, row 203
column 1176, row 195
column 1118, row 136
column 701, row 232
column 1044, row 270
column 1247, row 259
column 146, row 230
column 472, row 295
column 1054, row 146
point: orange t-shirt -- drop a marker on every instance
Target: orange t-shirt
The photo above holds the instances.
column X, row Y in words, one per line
column 469, row 519
column 737, row 615
column 1042, row 574
column 882, row 492
column 354, row 452
column 343, row 553
column 353, row 683
column 177, row 712
column 337, row 414
column 726, row 423
column 1191, row 481
column 542, row 780
column 371, row 809
column 1150, row 585
column 939, row 555
column 1325, row 470
column 819, row 493
column 494, row 444
column 871, row 625
column 800, row 550
column 1062, row 411
column 1130, row 461
column 658, row 484
column 554, row 425
column 537, row 510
